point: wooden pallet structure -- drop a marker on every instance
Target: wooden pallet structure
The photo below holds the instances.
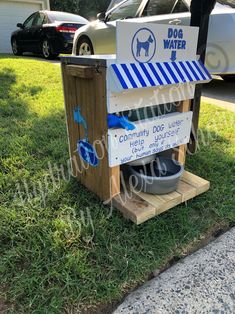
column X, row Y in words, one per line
column 139, row 207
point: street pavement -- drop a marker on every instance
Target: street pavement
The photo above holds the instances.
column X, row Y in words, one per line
column 220, row 93
column 201, row 283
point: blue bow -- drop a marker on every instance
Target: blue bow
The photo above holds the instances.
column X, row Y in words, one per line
column 120, row 122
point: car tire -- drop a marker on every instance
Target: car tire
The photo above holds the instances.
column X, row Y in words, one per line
column 84, row 47
column 15, row 48
column 47, row 50
column 228, row 78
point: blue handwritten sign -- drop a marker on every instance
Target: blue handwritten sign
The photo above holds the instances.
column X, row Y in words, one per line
column 150, row 137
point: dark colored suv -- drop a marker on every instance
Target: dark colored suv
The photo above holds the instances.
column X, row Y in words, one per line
column 47, row 32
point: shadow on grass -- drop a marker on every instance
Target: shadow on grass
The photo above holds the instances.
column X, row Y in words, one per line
column 11, row 105
column 16, row 117
column 28, row 142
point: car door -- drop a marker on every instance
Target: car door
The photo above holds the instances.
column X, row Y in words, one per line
column 36, row 32
column 105, row 33
column 25, row 35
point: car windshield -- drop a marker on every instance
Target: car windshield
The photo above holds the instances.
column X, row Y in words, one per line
column 113, row 3
column 128, row 9
column 60, row 16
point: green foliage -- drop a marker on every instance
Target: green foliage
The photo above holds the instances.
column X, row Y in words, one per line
column 59, row 245
column 72, row 6
column 88, row 9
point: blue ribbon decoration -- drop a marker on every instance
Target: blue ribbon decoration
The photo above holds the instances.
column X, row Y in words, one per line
column 80, row 120
column 120, row 122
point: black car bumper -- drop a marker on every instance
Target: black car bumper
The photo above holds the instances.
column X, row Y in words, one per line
column 61, row 45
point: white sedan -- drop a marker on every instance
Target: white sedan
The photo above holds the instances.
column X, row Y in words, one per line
column 99, row 37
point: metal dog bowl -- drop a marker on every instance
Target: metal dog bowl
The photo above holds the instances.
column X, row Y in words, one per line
column 159, row 177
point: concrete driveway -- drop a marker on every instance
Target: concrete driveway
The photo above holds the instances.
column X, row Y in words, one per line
column 220, row 93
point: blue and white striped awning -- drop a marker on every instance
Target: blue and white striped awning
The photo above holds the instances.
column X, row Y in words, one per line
column 145, row 75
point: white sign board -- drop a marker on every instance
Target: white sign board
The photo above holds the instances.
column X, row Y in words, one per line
column 148, row 42
column 150, row 137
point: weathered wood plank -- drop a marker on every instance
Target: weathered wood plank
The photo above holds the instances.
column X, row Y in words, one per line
column 180, row 152
column 186, row 190
column 90, row 96
column 86, row 72
column 162, row 203
column 140, row 207
column 134, row 207
column 70, row 99
column 200, row 184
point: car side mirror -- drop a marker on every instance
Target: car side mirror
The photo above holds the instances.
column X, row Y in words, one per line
column 101, row 16
column 20, row 25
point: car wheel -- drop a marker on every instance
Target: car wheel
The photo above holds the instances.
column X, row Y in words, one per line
column 47, row 51
column 228, row 78
column 84, row 47
column 15, row 48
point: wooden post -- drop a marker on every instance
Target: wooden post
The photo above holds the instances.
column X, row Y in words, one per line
column 200, row 14
column 180, row 152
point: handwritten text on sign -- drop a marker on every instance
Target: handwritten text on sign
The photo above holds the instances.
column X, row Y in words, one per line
column 150, row 137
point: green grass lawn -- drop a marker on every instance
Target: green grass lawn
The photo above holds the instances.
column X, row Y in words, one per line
column 59, row 247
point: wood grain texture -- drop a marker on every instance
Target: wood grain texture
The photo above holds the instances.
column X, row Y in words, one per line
column 133, row 207
column 90, row 96
column 187, row 191
column 140, row 207
column 86, row 72
column 180, row 152
column 70, row 100
column 200, row 184
column 162, row 203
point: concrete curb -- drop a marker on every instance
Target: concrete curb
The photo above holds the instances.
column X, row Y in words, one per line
column 201, row 283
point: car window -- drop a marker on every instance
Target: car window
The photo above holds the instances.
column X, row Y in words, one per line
column 113, row 3
column 128, row 9
column 39, row 19
column 157, row 7
column 29, row 22
column 180, row 7
column 65, row 17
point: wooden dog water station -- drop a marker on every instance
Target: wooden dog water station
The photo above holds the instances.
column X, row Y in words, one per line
column 98, row 86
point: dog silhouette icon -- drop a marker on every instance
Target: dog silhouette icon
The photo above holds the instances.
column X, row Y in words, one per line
column 144, row 45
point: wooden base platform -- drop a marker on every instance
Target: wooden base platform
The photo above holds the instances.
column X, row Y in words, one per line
column 140, row 207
